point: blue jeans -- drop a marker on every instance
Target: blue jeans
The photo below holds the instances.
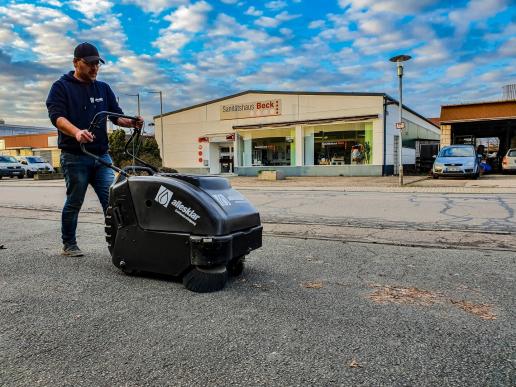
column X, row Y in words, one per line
column 79, row 171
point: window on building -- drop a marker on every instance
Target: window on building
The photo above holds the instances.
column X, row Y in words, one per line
column 341, row 144
column 268, row 147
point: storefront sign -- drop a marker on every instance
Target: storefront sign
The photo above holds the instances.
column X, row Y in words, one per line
column 270, row 107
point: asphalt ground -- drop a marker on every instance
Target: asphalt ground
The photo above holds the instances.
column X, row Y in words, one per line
column 305, row 312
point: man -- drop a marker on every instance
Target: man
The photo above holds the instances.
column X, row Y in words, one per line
column 72, row 103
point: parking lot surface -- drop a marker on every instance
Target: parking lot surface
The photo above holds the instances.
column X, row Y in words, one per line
column 305, row 312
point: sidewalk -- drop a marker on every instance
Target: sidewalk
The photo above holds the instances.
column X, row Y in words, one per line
column 485, row 184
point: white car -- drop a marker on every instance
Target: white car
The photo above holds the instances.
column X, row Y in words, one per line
column 509, row 161
column 10, row 167
column 34, row 164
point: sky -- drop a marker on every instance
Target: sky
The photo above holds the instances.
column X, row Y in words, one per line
column 198, row 50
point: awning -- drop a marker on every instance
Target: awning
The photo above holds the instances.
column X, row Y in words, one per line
column 307, row 122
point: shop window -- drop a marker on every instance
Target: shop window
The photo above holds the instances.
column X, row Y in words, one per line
column 342, row 145
column 268, row 147
column 271, row 151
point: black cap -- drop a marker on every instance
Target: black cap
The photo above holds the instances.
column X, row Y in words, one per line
column 87, row 52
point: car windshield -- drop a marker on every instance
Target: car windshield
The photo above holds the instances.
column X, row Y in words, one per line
column 8, row 159
column 512, row 153
column 457, row 152
column 34, row 160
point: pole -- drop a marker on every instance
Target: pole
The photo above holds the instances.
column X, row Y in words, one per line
column 400, row 144
column 138, row 96
column 161, row 127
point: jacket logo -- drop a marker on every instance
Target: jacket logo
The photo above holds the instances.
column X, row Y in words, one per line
column 93, row 100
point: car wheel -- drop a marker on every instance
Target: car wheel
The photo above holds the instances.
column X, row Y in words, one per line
column 475, row 176
column 435, row 176
column 21, row 176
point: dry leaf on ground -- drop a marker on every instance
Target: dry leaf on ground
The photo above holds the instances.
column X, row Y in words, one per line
column 313, row 285
column 481, row 310
column 354, row 364
column 401, row 295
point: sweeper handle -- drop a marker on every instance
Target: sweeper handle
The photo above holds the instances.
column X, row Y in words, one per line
column 94, row 124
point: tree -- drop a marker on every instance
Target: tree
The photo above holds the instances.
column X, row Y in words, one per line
column 116, row 146
column 147, row 150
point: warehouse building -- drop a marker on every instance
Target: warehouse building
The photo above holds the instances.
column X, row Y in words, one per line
column 490, row 124
column 298, row 133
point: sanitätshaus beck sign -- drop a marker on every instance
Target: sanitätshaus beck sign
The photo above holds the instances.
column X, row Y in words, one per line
column 270, row 107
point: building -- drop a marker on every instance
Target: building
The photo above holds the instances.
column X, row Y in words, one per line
column 22, row 140
column 299, row 133
column 490, row 124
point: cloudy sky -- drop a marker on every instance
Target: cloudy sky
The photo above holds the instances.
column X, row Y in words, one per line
column 197, row 50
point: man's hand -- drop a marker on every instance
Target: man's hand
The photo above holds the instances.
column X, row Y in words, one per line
column 84, row 136
column 128, row 123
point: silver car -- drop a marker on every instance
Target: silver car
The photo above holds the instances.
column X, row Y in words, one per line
column 456, row 161
column 509, row 161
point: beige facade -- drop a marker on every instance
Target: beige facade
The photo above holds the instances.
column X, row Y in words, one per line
column 302, row 133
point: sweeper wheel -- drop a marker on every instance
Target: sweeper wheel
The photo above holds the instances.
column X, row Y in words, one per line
column 206, row 280
column 236, row 266
column 110, row 229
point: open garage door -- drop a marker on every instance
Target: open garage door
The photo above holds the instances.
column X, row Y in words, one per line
column 489, row 126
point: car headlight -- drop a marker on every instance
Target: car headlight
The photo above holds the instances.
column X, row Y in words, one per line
column 438, row 167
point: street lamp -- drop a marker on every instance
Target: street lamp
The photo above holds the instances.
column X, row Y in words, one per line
column 399, row 59
column 161, row 120
column 137, row 95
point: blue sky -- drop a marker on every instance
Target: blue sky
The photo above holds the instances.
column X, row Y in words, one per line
column 194, row 51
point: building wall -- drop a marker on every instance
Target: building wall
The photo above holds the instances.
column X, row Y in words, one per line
column 182, row 129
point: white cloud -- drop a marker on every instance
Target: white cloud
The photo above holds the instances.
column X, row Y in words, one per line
column 184, row 23
column 459, row 70
column 276, row 5
column 390, row 6
column 253, row 12
column 508, row 49
column 316, row 24
column 475, row 10
column 91, row 8
column 270, row 22
column 156, row 6
column 189, row 18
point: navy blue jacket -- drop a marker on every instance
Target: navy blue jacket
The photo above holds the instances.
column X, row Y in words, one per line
column 78, row 102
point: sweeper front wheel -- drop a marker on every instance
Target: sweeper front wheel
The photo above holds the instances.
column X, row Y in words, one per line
column 206, row 279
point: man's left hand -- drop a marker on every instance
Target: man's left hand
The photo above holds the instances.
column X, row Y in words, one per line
column 128, row 123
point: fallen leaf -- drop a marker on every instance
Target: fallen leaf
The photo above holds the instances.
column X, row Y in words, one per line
column 313, row 285
column 402, row 295
column 354, row 364
column 481, row 310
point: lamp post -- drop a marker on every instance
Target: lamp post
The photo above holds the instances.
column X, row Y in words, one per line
column 161, row 121
column 137, row 95
column 399, row 59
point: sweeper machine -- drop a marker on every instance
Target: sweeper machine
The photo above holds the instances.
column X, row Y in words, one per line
column 193, row 227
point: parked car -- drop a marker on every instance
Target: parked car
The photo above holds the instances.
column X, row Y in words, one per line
column 10, row 167
column 456, row 161
column 34, row 164
column 509, row 161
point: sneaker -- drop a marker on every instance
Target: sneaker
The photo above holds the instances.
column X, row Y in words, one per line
column 72, row 251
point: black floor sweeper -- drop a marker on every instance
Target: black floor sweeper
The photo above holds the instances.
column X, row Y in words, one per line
column 193, row 227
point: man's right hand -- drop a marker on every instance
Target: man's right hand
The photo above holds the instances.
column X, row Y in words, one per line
column 83, row 136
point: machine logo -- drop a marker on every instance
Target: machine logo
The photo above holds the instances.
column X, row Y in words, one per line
column 164, row 196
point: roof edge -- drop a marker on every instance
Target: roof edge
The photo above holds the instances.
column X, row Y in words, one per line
column 272, row 92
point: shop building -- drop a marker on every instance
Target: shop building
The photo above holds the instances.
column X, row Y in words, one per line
column 299, row 133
